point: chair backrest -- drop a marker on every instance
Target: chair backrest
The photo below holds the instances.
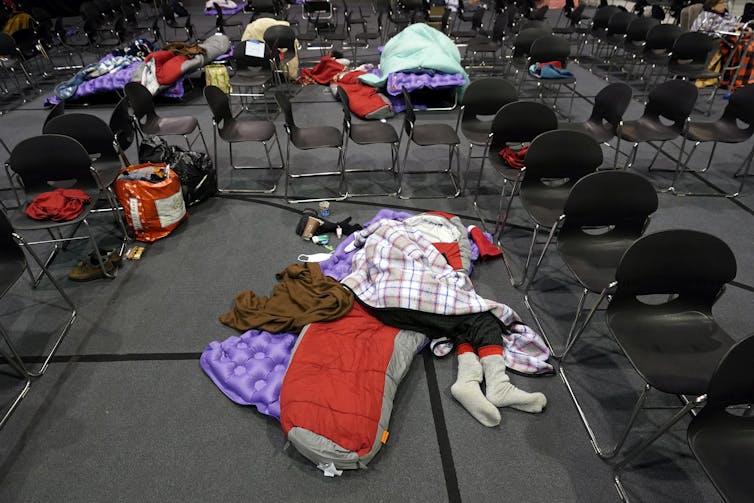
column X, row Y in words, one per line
column 520, row 121
column 499, row 27
column 550, row 48
column 89, row 130
column 683, row 262
column 639, row 28
column 689, row 15
column 57, row 110
column 50, row 158
column 285, row 106
column 611, row 103
column 741, row 107
column 732, row 383
column 140, row 99
column 346, row 105
column 622, row 199
column 535, row 24
column 577, row 14
column 540, row 13
column 244, row 61
column 121, row 125
column 694, row 46
column 10, row 251
column 525, row 39
column 487, row 96
column 219, row 105
column 409, row 117
column 561, row 154
column 280, row 37
column 7, row 45
column 602, row 17
column 619, row 22
column 673, row 99
column 662, row 37
column 477, row 18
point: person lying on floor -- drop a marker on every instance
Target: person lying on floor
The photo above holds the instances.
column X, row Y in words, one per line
column 406, row 282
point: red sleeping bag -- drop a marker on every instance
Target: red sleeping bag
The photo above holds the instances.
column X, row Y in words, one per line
column 337, row 394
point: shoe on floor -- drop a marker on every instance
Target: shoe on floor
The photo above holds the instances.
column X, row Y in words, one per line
column 90, row 270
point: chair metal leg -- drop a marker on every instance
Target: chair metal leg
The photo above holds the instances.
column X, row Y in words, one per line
column 574, row 334
column 621, row 465
column 599, row 450
column 27, row 384
column 67, row 325
column 730, row 195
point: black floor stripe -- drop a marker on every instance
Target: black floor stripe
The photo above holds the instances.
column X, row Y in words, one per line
column 742, row 286
column 441, row 429
column 109, row 357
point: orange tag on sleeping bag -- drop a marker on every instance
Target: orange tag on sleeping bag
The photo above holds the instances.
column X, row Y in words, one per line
column 385, row 434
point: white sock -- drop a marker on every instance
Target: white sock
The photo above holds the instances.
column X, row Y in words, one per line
column 500, row 391
column 466, row 390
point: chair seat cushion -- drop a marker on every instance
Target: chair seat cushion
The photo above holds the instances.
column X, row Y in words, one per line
column 645, row 129
column 316, row 137
column 107, row 169
column 435, row 134
column 600, row 132
column 247, row 131
column 674, row 346
column 180, row 125
column 501, row 166
column 250, row 79
column 376, row 132
column 717, row 131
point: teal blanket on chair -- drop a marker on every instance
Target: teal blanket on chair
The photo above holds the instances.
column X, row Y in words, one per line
column 418, row 48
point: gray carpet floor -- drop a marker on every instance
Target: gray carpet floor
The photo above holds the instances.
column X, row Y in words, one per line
column 125, row 413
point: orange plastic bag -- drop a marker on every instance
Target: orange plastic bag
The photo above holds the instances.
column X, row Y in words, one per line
column 153, row 208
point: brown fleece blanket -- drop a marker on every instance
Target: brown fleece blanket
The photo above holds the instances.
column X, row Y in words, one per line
column 302, row 296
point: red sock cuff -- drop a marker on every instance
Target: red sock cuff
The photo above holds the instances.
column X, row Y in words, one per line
column 490, row 350
column 464, row 347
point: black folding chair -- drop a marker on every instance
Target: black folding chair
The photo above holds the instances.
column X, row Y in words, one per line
column 40, row 164
column 231, row 130
column 428, row 135
column 13, row 264
column 308, row 138
column 369, row 133
column 148, row 122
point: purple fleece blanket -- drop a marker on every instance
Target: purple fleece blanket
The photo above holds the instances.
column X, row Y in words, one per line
column 226, row 12
column 249, row 368
column 396, row 81
column 116, row 81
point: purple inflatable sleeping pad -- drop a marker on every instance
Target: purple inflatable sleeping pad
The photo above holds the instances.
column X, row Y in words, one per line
column 249, row 368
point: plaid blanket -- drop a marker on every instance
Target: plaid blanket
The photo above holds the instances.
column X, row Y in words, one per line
column 399, row 267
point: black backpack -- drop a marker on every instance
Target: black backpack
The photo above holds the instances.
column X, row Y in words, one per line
column 195, row 169
column 196, row 172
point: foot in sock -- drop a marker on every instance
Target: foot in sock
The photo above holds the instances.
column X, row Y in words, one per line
column 467, row 391
column 500, row 392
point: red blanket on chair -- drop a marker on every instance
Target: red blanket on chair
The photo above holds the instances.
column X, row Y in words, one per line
column 364, row 100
